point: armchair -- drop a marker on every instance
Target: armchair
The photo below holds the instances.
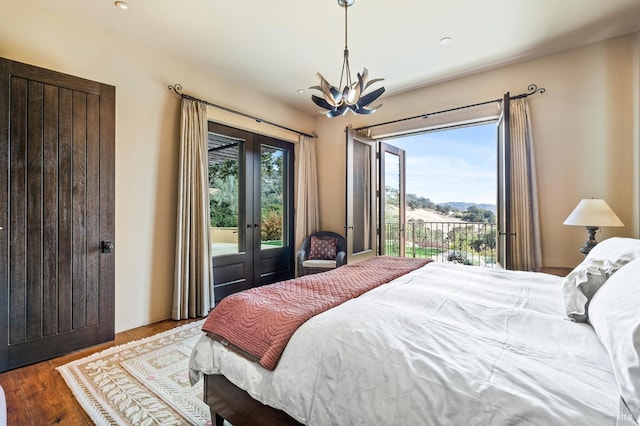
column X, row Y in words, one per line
column 321, row 252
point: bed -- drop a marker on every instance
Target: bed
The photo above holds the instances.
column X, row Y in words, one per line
column 450, row 344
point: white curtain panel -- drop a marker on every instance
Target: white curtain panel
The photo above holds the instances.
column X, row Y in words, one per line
column 526, row 252
column 193, row 285
column 307, row 215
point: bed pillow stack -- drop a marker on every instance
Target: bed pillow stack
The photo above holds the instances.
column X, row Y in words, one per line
column 579, row 287
column 614, row 313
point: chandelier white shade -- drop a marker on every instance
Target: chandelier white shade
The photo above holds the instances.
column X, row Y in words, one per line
column 350, row 97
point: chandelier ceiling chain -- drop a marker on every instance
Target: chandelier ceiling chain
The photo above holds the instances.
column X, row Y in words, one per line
column 351, row 98
column 345, row 62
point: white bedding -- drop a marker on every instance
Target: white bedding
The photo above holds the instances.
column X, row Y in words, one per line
column 443, row 345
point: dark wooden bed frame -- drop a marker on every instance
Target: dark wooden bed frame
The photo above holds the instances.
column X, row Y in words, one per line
column 229, row 402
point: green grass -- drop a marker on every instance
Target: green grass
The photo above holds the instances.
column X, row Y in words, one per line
column 392, row 249
column 423, row 252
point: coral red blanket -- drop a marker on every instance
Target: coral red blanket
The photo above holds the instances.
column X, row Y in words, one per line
column 259, row 322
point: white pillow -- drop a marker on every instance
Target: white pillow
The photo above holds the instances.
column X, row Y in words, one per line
column 602, row 261
column 614, row 313
column 615, row 248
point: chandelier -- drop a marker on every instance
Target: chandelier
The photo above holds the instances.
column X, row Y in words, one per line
column 351, row 97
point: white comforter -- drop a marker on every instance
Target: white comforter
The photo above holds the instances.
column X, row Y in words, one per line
column 443, row 345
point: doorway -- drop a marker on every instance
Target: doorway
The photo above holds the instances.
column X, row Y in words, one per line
column 450, row 198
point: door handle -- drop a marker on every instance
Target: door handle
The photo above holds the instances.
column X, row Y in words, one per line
column 107, row 246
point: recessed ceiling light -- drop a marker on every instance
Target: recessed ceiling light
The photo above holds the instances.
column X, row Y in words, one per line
column 121, row 5
column 445, row 40
column 300, row 91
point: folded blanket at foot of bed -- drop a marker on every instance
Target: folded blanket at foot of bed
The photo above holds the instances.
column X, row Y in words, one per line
column 259, row 322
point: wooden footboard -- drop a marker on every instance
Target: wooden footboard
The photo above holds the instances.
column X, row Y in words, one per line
column 229, row 402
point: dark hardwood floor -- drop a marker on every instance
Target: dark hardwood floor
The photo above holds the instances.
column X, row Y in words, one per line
column 37, row 394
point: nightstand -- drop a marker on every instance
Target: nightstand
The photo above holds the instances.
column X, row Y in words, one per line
column 554, row 270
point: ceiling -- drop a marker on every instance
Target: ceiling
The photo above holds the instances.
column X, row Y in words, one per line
column 277, row 46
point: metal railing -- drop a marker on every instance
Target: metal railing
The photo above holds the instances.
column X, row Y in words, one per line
column 469, row 243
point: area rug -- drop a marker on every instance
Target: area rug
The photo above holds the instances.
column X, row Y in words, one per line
column 145, row 382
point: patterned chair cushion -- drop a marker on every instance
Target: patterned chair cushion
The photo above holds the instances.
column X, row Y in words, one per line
column 323, row 249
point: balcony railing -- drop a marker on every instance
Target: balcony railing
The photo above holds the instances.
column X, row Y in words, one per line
column 469, row 243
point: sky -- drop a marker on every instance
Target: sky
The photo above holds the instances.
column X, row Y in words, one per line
column 452, row 165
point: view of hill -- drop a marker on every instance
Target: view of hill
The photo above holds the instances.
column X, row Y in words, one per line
column 418, row 202
column 462, row 206
column 421, row 208
column 428, row 215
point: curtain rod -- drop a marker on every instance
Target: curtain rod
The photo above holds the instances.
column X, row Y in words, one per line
column 177, row 88
column 531, row 90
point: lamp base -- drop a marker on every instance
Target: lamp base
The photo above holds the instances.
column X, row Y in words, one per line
column 591, row 240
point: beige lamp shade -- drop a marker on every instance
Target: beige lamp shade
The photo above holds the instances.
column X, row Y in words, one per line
column 593, row 212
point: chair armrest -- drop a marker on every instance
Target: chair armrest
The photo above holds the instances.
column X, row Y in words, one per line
column 341, row 258
column 301, row 256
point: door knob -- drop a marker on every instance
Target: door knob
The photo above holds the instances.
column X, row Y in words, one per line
column 107, row 246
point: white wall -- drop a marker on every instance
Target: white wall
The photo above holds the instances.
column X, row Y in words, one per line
column 147, row 129
column 585, row 130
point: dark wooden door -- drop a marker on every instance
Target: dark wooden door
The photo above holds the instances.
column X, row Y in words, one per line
column 273, row 210
column 251, row 200
column 232, row 231
column 56, row 213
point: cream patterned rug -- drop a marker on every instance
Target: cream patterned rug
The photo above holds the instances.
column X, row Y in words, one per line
column 145, row 382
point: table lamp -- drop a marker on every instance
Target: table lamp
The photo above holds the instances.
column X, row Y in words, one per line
column 592, row 214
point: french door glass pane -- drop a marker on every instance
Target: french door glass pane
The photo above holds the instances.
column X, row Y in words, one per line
column 273, row 172
column 226, row 180
column 362, row 208
column 392, row 226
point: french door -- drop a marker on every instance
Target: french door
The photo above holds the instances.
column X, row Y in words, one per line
column 392, row 200
column 505, row 235
column 251, row 204
column 375, row 198
column 361, row 213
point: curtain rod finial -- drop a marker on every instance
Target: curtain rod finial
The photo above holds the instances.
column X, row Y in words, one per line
column 533, row 88
column 177, row 88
